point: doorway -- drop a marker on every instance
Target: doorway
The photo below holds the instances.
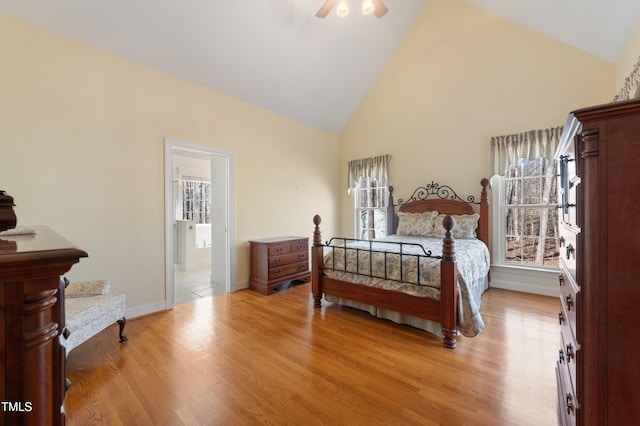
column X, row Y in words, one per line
column 198, row 222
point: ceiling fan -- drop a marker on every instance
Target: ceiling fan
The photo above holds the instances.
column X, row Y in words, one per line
column 368, row 6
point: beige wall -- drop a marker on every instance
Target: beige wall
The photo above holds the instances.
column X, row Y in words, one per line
column 82, row 151
column 460, row 76
column 630, row 57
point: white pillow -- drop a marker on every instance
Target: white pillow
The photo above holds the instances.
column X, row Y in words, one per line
column 465, row 227
column 416, row 224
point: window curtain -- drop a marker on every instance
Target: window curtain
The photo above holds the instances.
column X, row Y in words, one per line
column 370, row 177
column 509, row 150
column 375, row 169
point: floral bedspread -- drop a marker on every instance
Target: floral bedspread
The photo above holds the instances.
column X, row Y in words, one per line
column 406, row 268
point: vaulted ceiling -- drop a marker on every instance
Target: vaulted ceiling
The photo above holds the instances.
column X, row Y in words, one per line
column 277, row 55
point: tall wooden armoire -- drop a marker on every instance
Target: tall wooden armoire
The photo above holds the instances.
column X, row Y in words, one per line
column 599, row 179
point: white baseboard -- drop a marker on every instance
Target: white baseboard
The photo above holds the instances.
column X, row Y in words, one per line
column 525, row 280
column 140, row 310
column 241, row 285
column 152, row 308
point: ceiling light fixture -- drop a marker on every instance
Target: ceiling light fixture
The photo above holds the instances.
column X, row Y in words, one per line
column 376, row 7
column 343, row 9
column 367, row 7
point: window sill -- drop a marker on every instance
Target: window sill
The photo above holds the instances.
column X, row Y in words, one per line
column 525, row 279
column 528, row 269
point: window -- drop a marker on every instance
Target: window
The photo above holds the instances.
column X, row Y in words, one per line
column 371, row 209
column 368, row 179
column 196, row 201
column 525, row 204
column 531, row 214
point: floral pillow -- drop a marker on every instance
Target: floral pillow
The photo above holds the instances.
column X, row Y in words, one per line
column 465, row 227
column 416, row 224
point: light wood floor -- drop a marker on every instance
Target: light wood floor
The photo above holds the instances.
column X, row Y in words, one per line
column 243, row 359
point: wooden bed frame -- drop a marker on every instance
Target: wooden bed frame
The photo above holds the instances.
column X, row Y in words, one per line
column 444, row 311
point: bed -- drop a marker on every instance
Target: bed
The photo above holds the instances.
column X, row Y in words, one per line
column 430, row 278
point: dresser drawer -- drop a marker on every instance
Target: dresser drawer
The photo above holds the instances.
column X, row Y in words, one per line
column 283, row 271
column 569, row 299
column 570, row 208
column 287, row 259
column 567, row 404
column 288, row 247
column 569, row 248
column 278, row 249
column 568, row 355
column 300, row 245
column 568, row 181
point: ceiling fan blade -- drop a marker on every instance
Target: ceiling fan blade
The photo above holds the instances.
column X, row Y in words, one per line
column 380, row 10
column 326, row 8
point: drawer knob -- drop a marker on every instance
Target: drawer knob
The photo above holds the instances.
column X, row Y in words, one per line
column 569, row 300
column 277, row 261
column 569, row 403
column 571, row 251
column 570, row 353
column 301, row 256
column 561, row 318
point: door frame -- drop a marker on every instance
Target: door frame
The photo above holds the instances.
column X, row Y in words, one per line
column 169, row 145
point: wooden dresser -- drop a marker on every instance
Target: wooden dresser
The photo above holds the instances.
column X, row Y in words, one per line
column 32, row 384
column 275, row 261
column 598, row 371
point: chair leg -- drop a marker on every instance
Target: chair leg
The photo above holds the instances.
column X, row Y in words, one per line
column 121, row 323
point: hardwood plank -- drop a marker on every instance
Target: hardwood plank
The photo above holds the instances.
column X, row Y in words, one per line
column 245, row 358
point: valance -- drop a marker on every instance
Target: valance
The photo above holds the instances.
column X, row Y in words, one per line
column 374, row 168
column 509, row 150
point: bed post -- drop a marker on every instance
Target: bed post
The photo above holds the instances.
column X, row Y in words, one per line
column 391, row 214
column 483, row 224
column 316, row 263
column 449, row 286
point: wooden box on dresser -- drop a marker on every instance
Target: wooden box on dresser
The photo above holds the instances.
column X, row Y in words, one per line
column 32, row 384
column 275, row 261
column 598, row 370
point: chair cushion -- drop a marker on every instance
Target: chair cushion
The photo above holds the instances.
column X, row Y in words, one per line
column 87, row 316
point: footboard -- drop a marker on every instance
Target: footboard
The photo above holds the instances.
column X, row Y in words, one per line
column 442, row 310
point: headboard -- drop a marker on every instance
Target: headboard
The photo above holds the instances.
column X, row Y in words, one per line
column 444, row 199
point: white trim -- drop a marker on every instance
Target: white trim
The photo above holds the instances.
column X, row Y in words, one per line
column 536, row 281
column 498, row 225
column 497, row 217
column 517, row 278
column 242, row 284
column 168, row 224
column 146, row 309
column 169, row 144
column 571, row 128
